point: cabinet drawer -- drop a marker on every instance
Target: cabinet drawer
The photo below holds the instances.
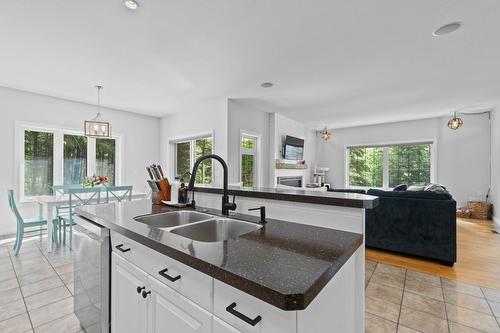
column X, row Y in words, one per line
column 238, row 309
column 222, row 327
column 189, row 282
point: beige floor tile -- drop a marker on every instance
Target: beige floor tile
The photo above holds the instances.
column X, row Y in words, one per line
column 383, row 268
column 395, row 280
column 63, row 269
column 413, row 276
column 374, row 324
column 8, row 284
column 17, row 324
column 10, row 296
column 458, row 328
column 422, row 321
column 462, row 287
column 381, row 308
column 6, row 265
column 495, row 307
column 384, row 292
column 424, row 289
column 66, row 324
column 7, row 275
column 370, row 264
column 478, row 320
column 29, row 269
column 424, row 304
column 404, row 329
column 12, row 309
column 46, row 297
column 466, row 301
column 40, row 286
column 492, row 294
column 36, row 276
column 30, row 261
column 51, row 312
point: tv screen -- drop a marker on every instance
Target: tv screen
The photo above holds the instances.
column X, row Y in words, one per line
column 293, row 149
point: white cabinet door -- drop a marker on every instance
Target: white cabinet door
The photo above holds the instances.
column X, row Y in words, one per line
column 128, row 307
column 223, row 327
column 170, row 312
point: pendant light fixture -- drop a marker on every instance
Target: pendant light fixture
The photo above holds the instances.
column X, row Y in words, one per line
column 455, row 123
column 96, row 127
column 325, row 135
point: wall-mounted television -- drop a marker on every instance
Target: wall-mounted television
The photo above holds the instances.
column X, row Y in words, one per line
column 293, row 148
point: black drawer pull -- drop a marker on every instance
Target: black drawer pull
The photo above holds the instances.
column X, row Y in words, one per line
column 145, row 293
column 163, row 273
column 253, row 322
column 121, row 249
column 139, row 289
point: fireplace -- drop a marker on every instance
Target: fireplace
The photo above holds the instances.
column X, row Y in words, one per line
column 294, row 181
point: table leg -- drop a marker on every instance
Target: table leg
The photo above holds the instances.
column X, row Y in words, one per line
column 49, row 228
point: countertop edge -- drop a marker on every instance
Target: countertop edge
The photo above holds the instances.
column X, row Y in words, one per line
column 293, row 197
column 286, row 302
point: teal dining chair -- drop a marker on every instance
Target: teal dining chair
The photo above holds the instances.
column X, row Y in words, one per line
column 119, row 193
column 63, row 189
column 23, row 224
column 77, row 197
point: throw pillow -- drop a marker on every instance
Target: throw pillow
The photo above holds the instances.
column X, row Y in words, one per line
column 400, row 188
column 437, row 188
column 415, row 188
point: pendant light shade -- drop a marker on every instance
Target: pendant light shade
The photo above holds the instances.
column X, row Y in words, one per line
column 325, row 135
column 455, row 123
column 96, row 127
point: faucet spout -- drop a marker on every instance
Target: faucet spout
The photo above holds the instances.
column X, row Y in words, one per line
column 226, row 205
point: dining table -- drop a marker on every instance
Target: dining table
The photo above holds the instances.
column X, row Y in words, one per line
column 48, row 203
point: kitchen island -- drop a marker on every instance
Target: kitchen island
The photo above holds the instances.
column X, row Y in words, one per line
column 279, row 277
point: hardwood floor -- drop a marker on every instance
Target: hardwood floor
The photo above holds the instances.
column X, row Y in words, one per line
column 478, row 252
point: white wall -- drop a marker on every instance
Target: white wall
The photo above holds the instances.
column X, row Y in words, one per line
column 140, row 139
column 462, row 155
column 283, row 126
column 495, row 165
column 243, row 116
column 194, row 119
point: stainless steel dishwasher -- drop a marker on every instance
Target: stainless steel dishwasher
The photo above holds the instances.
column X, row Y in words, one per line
column 92, row 263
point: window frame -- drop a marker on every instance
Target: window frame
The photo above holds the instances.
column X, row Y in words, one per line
column 386, row 145
column 256, row 152
column 58, row 153
column 192, row 152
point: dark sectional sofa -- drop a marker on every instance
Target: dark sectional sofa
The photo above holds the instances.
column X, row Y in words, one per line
column 419, row 223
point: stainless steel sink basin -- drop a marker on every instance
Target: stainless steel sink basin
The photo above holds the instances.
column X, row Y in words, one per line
column 173, row 219
column 216, row 230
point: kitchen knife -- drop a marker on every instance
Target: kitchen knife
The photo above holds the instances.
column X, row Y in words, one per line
column 161, row 171
column 154, row 172
column 157, row 173
column 150, row 173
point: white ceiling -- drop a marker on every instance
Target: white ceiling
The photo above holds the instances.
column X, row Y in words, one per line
column 340, row 63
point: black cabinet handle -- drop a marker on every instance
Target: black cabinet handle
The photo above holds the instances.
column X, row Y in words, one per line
column 121, row 249
column 139, row 289
column 253, row 322
column 163, row 273
column 145, row 293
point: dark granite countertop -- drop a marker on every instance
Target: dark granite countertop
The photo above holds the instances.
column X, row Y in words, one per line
column 343, row 199
column 285, row 264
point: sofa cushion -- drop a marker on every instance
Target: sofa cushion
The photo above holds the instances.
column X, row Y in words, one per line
column 400, row 188
column 411, row 194
column 416, row 188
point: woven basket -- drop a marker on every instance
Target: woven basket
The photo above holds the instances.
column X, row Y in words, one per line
column 463, row 213
column 480, row 210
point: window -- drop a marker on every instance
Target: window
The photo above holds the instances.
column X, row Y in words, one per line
column 38, row 162
column 75, row 159
column 105, row 160
column 391, row 165
column 186, row 154
column 248, row 160
column 49, row 156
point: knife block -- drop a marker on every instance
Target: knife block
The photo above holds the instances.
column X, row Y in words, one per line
column 164, row 194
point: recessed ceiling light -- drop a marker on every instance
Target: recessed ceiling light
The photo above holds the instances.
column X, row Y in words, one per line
column 131, row 4
column 267, row 85
column 447, row 29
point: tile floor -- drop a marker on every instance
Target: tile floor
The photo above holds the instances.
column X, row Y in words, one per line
column 36, row 296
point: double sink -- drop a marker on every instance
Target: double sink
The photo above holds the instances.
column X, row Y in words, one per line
column 199, row 226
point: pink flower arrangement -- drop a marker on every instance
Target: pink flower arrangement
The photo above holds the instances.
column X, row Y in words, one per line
column 92, row 181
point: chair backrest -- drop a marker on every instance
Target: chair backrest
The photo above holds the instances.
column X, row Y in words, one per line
column 64, row 189
column 13, row 207
column 120, row 193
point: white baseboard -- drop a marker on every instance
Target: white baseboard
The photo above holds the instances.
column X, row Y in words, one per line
column 496, row 220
